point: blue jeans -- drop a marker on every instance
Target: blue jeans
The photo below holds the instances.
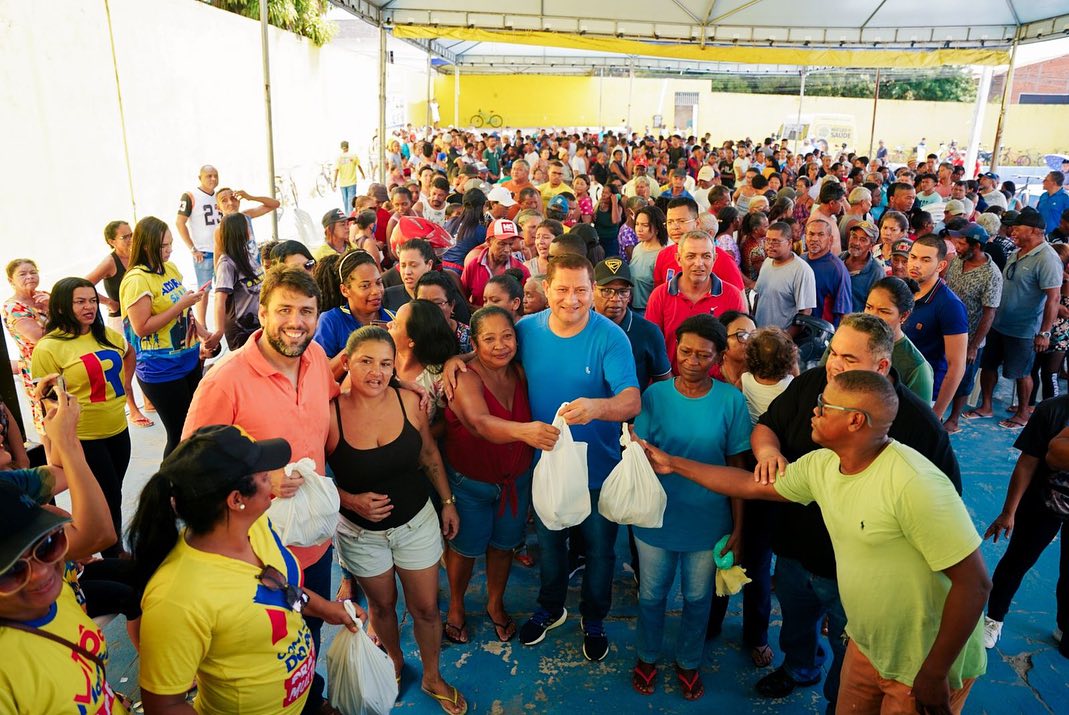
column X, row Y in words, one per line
column 696, row 571
column 599, row 535
column 804, row 598
column 348, row 193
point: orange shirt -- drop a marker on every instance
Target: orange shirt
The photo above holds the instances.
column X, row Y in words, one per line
column 246, row 390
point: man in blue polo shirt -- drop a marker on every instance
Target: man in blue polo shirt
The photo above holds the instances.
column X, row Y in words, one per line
column 612, row 291
column 939, row 323
column 576, row 357
column 834, row 290
column 1053, row 201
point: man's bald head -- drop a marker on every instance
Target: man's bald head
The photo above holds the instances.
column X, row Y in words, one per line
column 871, row 392
column 209, row 178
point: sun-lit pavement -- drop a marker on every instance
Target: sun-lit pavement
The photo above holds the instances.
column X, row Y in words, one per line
column 1025, row 672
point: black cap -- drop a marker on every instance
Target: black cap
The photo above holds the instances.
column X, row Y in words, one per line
column 289, row 248
column 1029, row 217
column 214, row 459
column 333, row 216
column 22, row 523
column 612, row 269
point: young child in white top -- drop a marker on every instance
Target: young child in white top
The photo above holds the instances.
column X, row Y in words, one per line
column 771, row 364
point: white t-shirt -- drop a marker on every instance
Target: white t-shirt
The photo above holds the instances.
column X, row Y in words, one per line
column 995, row 198
column 758, row 396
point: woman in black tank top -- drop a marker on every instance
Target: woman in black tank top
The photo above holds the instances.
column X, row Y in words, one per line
column 385, row 461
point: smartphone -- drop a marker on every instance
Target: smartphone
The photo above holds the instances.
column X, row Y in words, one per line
column 204, row 287
column 53, row 392
column 381, row 323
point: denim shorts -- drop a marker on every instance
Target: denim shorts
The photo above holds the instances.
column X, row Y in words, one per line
column 968, row 379
column 486, row 514
column 412, row 546
column 1015, row 355
column 205, row 270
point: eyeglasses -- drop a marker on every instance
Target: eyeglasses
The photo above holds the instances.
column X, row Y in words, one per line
column 48, row 550
column 743, row 336
column 273, row 580
column 776, row 241
column 679, row 221
column 610, row 293
column 440, row 303
column 822, row 405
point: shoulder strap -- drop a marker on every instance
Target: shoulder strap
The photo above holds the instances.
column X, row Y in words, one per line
column 337, row 412
column 401, row 401
column 56, row 639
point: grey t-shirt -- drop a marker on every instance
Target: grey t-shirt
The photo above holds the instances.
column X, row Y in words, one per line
column 1024, row 280
column 782, row 291
column 243, row 301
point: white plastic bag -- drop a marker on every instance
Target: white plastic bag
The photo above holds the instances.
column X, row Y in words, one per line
column 360, row 677
column 560, row 490
column 310, row 516
column 632, row 493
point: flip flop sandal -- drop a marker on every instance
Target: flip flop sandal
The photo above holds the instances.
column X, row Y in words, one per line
column 448, row 703
column 692, row 686
column 461, row 631
column 142, row 422
column 499, row 627
column 762, row 656
column 642, row 679
column 1011, row 424
column 974, row 415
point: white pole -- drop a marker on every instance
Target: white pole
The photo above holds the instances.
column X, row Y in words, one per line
column 267, row 110
column 456, row 95
column 982, row 94
column 382, row 104
column 801, row 97
column 430, row 90
column 630, row 87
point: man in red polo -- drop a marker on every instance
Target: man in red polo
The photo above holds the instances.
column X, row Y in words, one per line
column 491, row 260
column 696, row 290
column 681, row 217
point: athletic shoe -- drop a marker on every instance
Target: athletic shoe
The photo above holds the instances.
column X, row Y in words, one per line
column 1057, row 634
column 578, row 565
column 595, row 643
column 534, row 630
column 992, row 632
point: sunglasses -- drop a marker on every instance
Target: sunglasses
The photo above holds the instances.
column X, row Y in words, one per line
column 273, row 580
column 822, row 405
column 310, row 264
column 48, row 550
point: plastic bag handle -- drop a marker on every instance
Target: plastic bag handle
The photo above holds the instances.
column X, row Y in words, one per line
column 351, row 610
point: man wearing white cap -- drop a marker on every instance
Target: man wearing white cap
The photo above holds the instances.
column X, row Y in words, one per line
column 706, row 176
column 499, row 200
column 492, row 260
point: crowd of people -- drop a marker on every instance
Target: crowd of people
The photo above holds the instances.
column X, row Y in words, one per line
column 792, row 337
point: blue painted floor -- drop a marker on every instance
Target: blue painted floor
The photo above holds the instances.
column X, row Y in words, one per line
column 1025, row 672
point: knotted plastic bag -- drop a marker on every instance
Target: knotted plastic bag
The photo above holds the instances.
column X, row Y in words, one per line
column 560, row 489
column 360, row 677
column 632, row 493
column 310, row 516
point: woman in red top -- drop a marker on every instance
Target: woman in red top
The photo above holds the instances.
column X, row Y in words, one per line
column 489, row 444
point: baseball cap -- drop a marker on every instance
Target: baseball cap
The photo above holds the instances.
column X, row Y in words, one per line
column 954, row 207
column 868, row 227
column 379, row 193
column 990, row 175
column 22, row 523
column 502, row 228
column 612, row 269
column 1009, row 217
column 787, row 192
column 972, row 232
column 333, row 216
column 1029, row 217
column 706, row 173
column 474, row 197
column 214, row 460
column 478, row 185
column 479, row 166
column 559, row 203
column 501, row 195
column 901, row 247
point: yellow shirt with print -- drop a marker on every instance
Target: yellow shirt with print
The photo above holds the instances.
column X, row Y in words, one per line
column 208, row 617
column 94, row 375
column 41, row 677
column 548, row 192
column 172, row 351
column 347, row 166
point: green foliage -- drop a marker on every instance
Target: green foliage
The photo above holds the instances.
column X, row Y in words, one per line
column 944, row 86
column 302, row 17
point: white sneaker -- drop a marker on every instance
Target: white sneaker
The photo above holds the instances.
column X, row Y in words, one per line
column 1057, row 635
column 992, row 632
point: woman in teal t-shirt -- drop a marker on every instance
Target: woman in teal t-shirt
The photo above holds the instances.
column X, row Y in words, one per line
column 707, row 421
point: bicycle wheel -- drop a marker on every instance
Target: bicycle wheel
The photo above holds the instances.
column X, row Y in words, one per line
column 1024, row 160
column 495, row 121
column 477, row 121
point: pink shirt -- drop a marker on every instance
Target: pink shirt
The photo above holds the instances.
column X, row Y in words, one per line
column 246, row 390
column 477, row 274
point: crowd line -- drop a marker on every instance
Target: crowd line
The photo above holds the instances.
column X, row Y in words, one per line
column 790, row 337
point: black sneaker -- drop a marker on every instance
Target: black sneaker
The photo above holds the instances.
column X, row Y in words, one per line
column 595, row 643
column 579, row 564
column 779, row 684
column 534, row 630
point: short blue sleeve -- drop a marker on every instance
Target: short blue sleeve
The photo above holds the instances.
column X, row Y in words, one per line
column 329, row 333
column 619, row 364
column 740, row 426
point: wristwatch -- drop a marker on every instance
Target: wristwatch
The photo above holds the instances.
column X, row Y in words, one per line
column 451, row 500
column 1044, row 334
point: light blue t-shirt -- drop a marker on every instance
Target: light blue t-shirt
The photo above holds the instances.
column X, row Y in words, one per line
column 1025, row 277
column 596, row 363
column 706, row 429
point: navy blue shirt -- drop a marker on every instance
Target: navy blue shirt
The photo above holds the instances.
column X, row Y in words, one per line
column 834, row 289
column 936, row 315
column 647, row 344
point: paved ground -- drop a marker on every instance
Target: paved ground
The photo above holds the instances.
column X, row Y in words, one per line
column 1025, row 673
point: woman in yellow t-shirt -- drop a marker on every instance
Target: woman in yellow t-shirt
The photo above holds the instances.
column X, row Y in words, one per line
column 159, row 324
column 223, row 601
column 94, row 361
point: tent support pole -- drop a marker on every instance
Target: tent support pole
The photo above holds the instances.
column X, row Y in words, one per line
column 982, row 94
column 1007, row 87
column 267, row 111
column 382, row 103
column 801, row 98
column 875, row 102
column 456, row 95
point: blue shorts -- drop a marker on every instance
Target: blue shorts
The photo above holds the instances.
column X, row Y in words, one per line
column 968, row 379
column 486, row 514
column 205, row 270
column 1015, row 355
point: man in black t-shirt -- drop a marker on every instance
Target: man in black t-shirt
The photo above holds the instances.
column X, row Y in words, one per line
column 805, row 566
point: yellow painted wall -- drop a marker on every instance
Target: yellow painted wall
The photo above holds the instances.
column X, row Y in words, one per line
column 542, row 101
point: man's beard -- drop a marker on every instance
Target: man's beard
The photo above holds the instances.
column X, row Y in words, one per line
column 274, row 339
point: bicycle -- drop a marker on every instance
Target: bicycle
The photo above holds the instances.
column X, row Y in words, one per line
column 481, row 119
column 323, row 181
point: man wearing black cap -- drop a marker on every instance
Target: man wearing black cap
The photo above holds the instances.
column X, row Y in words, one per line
column 612, row 293
column 1031, row 291
column 335, row 234
column 989, row 190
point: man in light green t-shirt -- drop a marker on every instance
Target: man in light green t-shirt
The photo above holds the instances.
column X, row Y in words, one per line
column 911, row 578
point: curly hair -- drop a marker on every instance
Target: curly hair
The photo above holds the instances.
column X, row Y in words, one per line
column 326, row 277
column 771, row 354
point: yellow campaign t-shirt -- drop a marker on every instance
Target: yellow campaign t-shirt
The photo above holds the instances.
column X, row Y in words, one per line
column 172, row 351
column 41, row 677
column 895, row 527
column 347, row 166
column 94, row 375
column 206, row 616
column 548, row 192
column 322, row 251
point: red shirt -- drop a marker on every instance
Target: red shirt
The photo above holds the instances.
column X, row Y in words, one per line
column 724, row 267
column 668, row 308
column 477, row 274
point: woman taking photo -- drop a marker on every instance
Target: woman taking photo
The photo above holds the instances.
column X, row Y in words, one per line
column 161, row 328
column 652, row 236
column 385, row 462
column 440, row 290
column 891, row 300
column 710, row 422
column 223, row 604
column 25, row 316
column 489, row 444
column 94, row 361
column 423, row 341
column 237, row 284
